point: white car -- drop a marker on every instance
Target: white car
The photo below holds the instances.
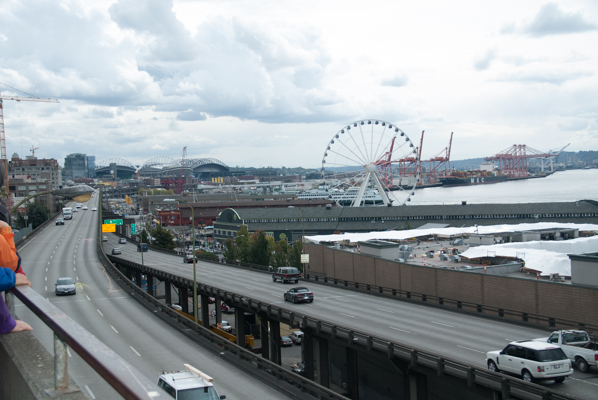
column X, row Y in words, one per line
column 226, row 327
column 189, row 384
column 84, row 207
column 531, row 360
column 94, row 209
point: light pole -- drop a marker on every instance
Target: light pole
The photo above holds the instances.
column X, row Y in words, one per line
column 194, row 266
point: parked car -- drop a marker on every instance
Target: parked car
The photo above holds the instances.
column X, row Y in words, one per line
column 59, row 221
column 226, row 327
column 285, row 341
column 122, row 241
column 211, row 300
column 296, row 337
column 577, row 345
column 116, row 250
column 531, row 360
column 286, row 274
column 65, row 285
column 225, row 308
column 298, row 295
column 104, row 238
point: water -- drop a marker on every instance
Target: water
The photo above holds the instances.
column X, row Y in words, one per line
column 572, row 185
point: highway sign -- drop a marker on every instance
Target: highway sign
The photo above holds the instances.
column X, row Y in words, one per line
column 304, row 258
column 133, row 229
column 108, row 228
column 113, row 221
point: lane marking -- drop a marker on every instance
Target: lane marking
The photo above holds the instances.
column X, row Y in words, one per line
column 468, row 348
column 89, row 392
column 74, row 268
column 113, row 328
column 382, row 309
column 438, row 323
column 46, row 288
column 68, row 352
column 99, row 312
column 397, row 329
column 135, row 351
column 46, row 279
column 347, row 315
column 581, row 380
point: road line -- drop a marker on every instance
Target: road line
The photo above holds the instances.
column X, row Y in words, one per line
column 581, row 380
column 99, row 312
column 74, row 268
column 382, row 309
column 397, row 329
column 89, row 392
column 468, row 348
column 347, row 315
column 344, row 301
column 438, row 323
column 88, row 297
column 68, row 352
column 46, row 288
column 135, row 351
column 113, row 328
column 46, row 279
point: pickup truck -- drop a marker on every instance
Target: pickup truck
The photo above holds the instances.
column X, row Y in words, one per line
column 578, row 347
column 286, row 274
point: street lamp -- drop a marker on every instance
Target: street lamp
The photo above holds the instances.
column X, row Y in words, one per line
column 194, row 267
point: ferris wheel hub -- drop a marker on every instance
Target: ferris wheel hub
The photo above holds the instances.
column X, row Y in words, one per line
column 371, row 167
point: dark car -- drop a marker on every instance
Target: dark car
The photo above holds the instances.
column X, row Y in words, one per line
column 298, row 295
column 116, row 250
column 65, row 285
column 59, row 221
column 122, row 241
column 189, row 259
column 139, row 247
column 298, row 368
column 285, row 341
column 286, row 274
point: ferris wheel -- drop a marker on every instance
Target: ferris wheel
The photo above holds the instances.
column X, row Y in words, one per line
column 365, row 160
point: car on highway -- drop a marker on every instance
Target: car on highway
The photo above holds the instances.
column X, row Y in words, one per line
column 285, row 341
column 533, row 361
column 116, row 250
column 94, row 209
column 75, row 209
column 226, row 327
column 189, row 384
column 59, row 221
column 65, row 285
column 104, row 238
column 122, row 241
column 225, row 308
column 296, row 337
column 84, row 207
column 286, row 274
column 299, row 295
column 78, row 205
column 189, row 259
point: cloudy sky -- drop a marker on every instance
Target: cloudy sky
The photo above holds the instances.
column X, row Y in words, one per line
column 268, row 83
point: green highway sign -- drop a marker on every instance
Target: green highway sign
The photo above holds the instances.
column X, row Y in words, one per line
column 113, row 221
column 133, row 229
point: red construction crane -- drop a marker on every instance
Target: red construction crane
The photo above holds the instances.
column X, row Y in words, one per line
column 439, row 165
column 513, row 161
column 2, row 134
column 410, row 167
column 385, row 167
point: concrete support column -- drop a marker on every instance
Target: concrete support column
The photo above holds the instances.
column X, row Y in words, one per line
column 307, row 352
column 240, row 326
column 138, row 278
column 129, row 273
column 184, row 299
column 322, row 362
column 167, row 292
column 205, row 312
column 265, row 337
column 352, row 374
column 275, row 353
column 218, row 309
column 150, row 285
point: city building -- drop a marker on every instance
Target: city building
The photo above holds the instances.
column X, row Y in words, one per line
column 35, row 170
column 78, row 165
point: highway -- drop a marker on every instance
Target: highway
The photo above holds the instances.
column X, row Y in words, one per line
column 109, row 313
column 455, row 335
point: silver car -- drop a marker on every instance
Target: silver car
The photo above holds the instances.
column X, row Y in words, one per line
column 65, row 285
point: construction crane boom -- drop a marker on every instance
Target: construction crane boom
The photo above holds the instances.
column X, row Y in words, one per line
column 3, row 157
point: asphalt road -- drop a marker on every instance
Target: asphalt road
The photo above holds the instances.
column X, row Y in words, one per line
column 462, row 337
column 110, row 314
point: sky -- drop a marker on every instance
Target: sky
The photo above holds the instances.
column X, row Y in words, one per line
column 269, row 83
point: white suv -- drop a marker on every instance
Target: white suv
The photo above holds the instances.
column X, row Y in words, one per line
column 531, row 360
column 189, row 384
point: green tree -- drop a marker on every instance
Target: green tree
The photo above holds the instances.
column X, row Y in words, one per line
column 230, row 251
column 144, row 236
column 271, row 248
column 295, row 255
column 242, row 242
column 163, row 238
column 258, row 249
column 37, row 214
column 281, row 253
column 206, row 255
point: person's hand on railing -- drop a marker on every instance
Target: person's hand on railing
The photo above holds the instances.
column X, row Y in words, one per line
column 21, row 279
column 21, row 326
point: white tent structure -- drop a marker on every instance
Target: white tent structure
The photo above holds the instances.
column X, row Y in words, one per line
column 548, row 257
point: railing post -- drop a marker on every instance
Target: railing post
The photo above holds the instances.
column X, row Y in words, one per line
column 61, row 373
column 9, row 298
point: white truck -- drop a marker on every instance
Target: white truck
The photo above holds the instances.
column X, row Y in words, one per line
column 67, row 213
column 578, row 347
